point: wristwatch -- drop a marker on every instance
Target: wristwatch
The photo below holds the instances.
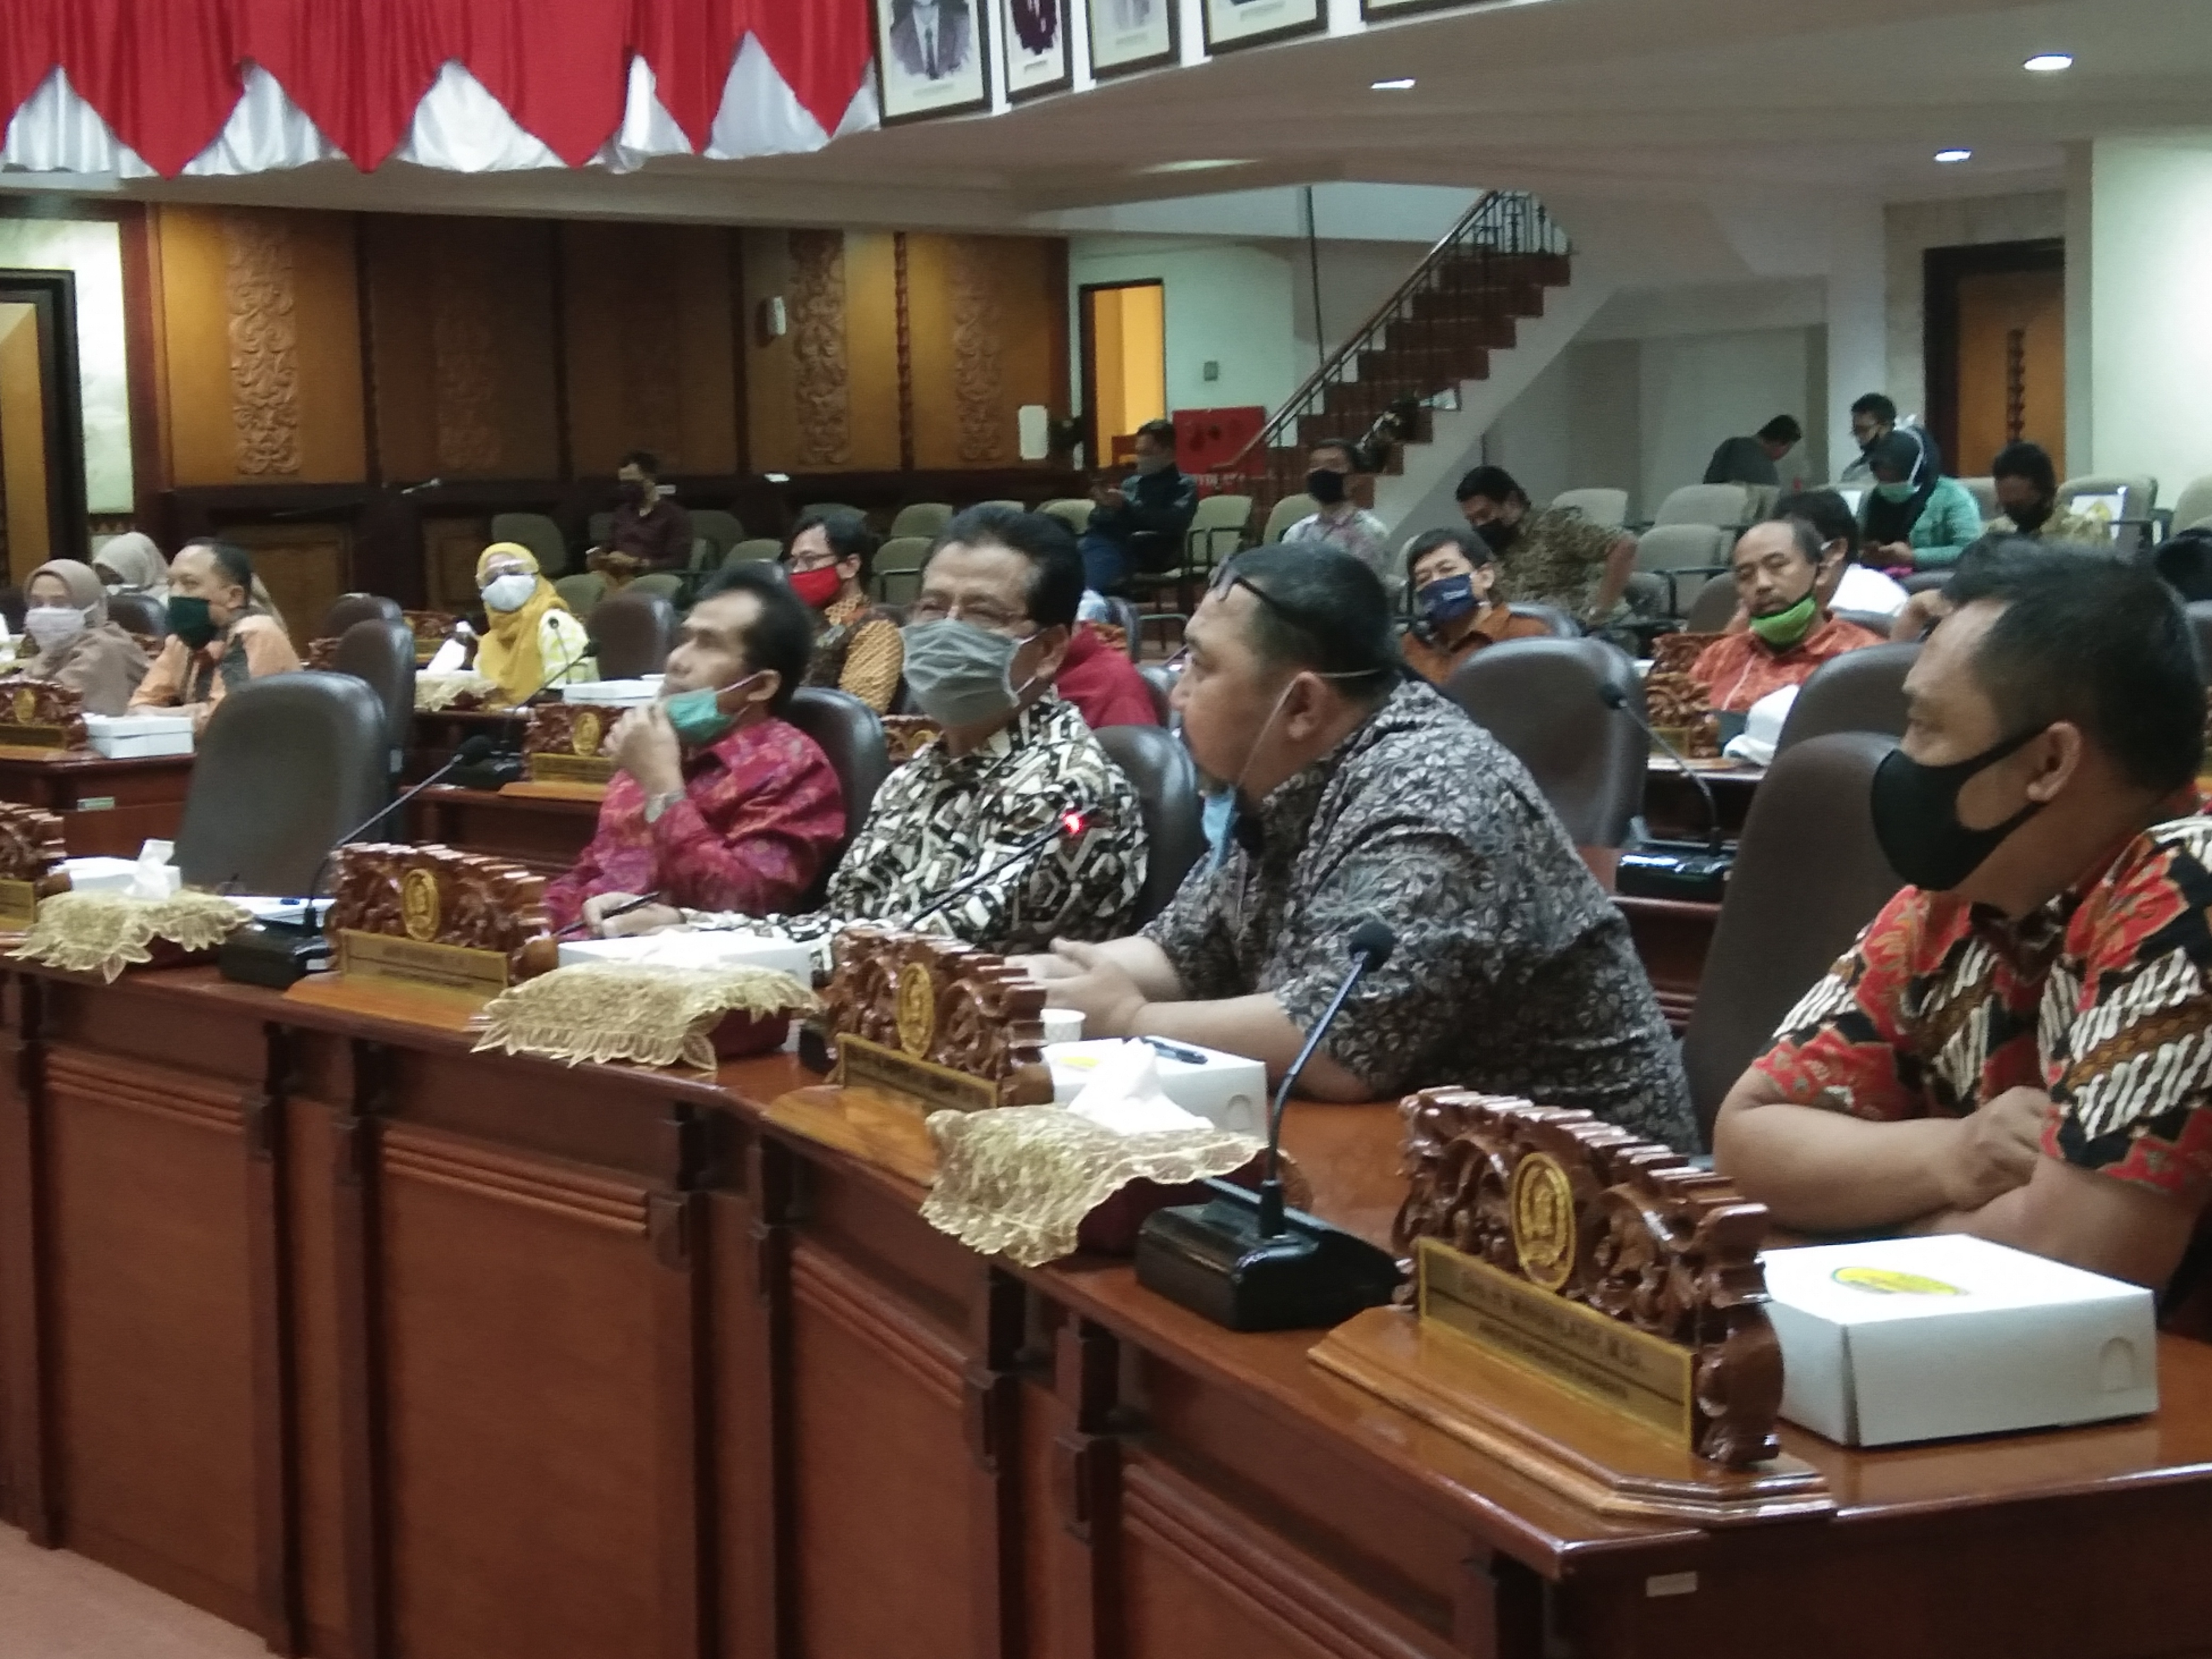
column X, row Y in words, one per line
column 656, row 804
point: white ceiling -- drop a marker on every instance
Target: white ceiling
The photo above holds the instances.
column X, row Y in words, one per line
column 1649, row 98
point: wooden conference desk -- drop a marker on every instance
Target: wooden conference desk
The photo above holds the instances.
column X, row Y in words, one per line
column 108, row 807
column 380, row 1347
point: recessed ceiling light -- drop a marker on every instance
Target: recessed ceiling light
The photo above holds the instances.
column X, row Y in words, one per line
column 1193, row 166
column 2049, row 62
column 1948, row 156
column 1405, row 83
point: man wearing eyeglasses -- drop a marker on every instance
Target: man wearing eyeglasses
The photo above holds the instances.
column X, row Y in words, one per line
column 985, row 641
column 1360, row 791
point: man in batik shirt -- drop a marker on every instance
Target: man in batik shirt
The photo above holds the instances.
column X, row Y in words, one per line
column 1551, row 556
column 1363, row 794
column 2020, row 1045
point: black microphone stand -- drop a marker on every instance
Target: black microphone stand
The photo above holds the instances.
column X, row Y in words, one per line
column 1656, row 871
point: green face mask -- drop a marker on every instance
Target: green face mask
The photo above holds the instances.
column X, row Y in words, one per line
column 1894, row 492
column 1786, row 628
column 697, row 715
column 190, row 621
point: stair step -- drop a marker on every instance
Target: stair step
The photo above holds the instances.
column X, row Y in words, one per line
column 1473, row 305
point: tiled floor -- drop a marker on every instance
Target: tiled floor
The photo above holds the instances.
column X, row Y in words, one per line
column 54, row 1605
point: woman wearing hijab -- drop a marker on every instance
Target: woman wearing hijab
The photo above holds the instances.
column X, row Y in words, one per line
column 66, row 618
column 1914, row 516
column 531, row 639
column 131, row 563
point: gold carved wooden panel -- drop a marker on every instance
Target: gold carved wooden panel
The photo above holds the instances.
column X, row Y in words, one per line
column 979, row 323
column 820, row 393
column 465, row 357
column 258, row 299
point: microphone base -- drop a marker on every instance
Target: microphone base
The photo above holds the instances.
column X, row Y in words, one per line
column 491, row 775
column 274, row 954
column 1662, row 873
column 1212, row 1260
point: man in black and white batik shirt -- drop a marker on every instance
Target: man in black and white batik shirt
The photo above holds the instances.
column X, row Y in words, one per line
column 983, row 641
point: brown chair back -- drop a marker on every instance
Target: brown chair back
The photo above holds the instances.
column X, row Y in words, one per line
column 285, row 766
column 1159, row 768
column 1809, row 876
column 1710, row 610
column 634, row 632
column 351, row 608
column 1159, row 680
column 852, row 736
column 139, row 613
column 381, row 653
column 1859, row 691
column 1541, row 699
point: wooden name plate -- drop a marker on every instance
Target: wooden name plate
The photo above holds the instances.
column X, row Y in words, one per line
column 566, row 742
column 41, row 715
column 1589, row 1304
column 31, row 854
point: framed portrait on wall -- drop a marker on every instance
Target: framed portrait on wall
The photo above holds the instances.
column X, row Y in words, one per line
column 931, row 57
column 1377, row 10
column 1232, row 23
column 1033, row 35
column 1127, row 35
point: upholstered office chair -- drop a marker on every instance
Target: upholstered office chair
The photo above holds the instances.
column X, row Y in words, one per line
column 1714, row 605
column 1606, row 507
column 1725, row 505
column 1131, row 624
column 2138, row 492
column 754, row 550
column 1286, row 512
column 1159, row 680
column 827, row 508
column 351, row 608
column 853, row 738
column 381, row 653
column 1562, row 626
column 1809, row 876
column 1858, row 691
column 2193, row 506
column 1676, row 550
column 537, row 532
column 599, row 528
column 667, row 583
column 141, row 614
column 285, row 766
column 1159, row 768
column 633, row 632
column 1074, row 511
column 582, row 592
column 718, row 526
column 897, row 568
column 1985, row 492
column 924, row 519
column 1541, row 699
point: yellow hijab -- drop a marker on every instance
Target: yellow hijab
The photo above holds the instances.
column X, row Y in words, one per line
column 508, row 652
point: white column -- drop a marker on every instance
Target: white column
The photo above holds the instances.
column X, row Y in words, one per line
column 1858, row 347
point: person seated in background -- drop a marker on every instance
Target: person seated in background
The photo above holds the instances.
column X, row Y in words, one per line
column 2020, row 1045
column 985, row 641
column 2028, row 490
column 66, row 619
column 1752, row 460
column 719, row 803
column 131, row 563
column 1097, row 675
column 829, row 557
column 651, row 531
column 1874, row 417
column 1141, row 523
column 1851, row 586
column 219, row 636
column 1361, row 792
column 531, row 639
column 1454, row 576
column 1554, row 556
column 1780, row 568
column 2185, row 564
column 1913, row 515
column 1337, row 469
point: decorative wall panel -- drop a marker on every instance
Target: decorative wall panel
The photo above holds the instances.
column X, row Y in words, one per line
column 265, row 344
column 816, row 313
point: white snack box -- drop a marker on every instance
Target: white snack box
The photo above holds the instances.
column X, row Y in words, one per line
column 697, row 950
column 132, row 736
column 99, row 875
column 626, row 694
column 1972, row 1338
column 1228, row 1092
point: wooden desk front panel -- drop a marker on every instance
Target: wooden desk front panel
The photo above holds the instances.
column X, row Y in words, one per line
column 145, row 800
column 545, row 835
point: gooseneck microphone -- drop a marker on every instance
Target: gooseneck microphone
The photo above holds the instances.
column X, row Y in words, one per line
column 1651, row 870
column 1616, row 698
column 471, row 751
column 1068, row 825
column 1372, row 941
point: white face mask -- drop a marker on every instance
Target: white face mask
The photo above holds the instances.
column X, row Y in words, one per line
column 48, row 625
column 511, row 592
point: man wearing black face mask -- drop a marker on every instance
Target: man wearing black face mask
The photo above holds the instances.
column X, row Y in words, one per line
column 2020, row 1045
column 1337, row 472
column 1139, row 524
column 650, row 532
column 1551, row 556
column 2028, row 490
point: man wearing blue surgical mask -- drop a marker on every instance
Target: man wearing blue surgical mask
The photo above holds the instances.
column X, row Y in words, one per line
column 2020, row 1045
column 720, row 803
column 985, row 639
column 1456, row 607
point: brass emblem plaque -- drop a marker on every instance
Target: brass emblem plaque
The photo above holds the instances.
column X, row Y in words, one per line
column 19, row 906
column 1543, row 1204
column 410, row 962
column 548, row 768
column 26, row 706
column 419, row 910
column 917, row 1009
column 584, row 736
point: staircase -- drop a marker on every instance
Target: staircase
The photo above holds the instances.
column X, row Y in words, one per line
column 1405, row 372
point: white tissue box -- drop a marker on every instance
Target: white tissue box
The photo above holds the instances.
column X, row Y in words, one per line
column 132, row 737
column 91, row 875
column 1228, row 1092
column 697, row 950
column 625, row 694
column 1928, row 1339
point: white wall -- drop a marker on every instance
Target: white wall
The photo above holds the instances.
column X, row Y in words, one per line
column 2150, row 312
column 1227, row 303
column 1695, row 390
column 93, row 250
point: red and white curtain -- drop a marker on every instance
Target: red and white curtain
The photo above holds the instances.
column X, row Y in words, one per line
column 212, row 87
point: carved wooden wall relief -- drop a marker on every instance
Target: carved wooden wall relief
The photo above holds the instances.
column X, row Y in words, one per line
column 817, row 344
column 465, row 356
column 258, row 297
column 651, row 333
column 979, row 324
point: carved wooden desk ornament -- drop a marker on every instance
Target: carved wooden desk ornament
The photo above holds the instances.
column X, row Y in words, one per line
column 432, row 630
column 919, row 1025
column 565, row 747
column 31, row 854
column 40, row 717
column 430, row 932
column 1588, row 1306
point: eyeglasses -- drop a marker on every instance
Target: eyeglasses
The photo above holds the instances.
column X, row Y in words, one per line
column 812, row 562
column 996, row 618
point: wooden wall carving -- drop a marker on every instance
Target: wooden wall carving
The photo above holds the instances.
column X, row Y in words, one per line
column 652, row 330
column 265, row 344
column 979, row 323
column 464, row 356
column 817, row 331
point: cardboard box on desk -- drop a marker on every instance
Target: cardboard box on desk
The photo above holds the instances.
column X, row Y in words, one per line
column 138, row 736
column 1228, row 1090
column 1900, row 1340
